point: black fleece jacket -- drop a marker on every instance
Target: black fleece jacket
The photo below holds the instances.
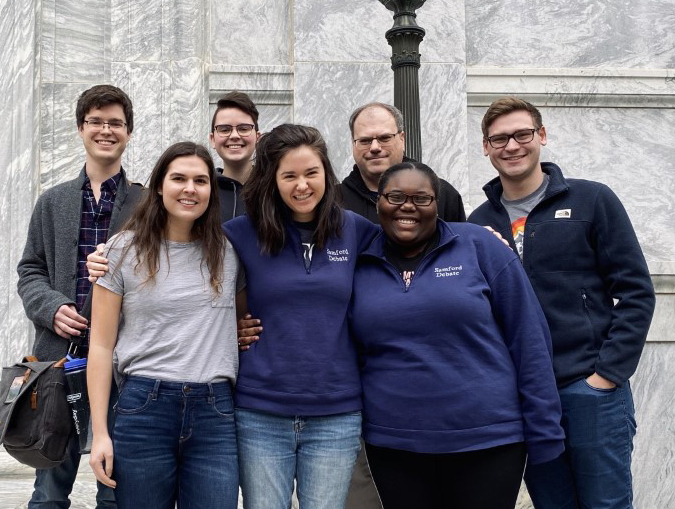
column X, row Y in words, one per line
column 229, row 192
column 587, row 269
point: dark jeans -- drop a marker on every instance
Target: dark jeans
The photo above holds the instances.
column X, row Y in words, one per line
column 594, row 472
column 175, row 442
column 53, row 485
column 484, row 479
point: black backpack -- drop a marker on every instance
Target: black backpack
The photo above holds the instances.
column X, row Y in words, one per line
column 35, row 420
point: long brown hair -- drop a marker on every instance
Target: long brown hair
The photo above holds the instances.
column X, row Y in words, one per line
column 149, row 222
column 264, row 205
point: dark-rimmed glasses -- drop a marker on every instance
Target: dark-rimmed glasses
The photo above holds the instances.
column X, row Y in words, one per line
column 419, row 200
column 97, row 124
column 501, row 140
column 382, row 139
column 226, row 129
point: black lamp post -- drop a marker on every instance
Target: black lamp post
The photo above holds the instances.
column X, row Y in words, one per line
column 404, row 38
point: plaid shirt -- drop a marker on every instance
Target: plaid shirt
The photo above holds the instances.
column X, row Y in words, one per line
column 94, row 223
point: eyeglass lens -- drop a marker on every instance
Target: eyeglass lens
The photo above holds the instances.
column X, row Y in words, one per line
column 97, row 123
column 501, row 140
column 242, row 129
column 382, row 139
column 400, row 198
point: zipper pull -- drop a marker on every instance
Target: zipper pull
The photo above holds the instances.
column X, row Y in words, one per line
column 583, row 297
column 33, row 398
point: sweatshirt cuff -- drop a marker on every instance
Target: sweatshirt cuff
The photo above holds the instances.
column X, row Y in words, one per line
column 541, row 452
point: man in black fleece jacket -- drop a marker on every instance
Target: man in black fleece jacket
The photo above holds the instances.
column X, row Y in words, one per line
column 378, row 142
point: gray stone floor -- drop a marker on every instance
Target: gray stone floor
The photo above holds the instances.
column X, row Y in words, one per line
column 16, row 486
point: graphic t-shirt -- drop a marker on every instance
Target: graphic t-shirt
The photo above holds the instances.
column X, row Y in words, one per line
column 307, row 238
column 406, row 266
column 518, row 211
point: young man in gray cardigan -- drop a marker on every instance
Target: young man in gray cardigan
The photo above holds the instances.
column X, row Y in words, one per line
column 68, row 221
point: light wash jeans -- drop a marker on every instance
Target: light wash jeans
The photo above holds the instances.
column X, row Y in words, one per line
column 175, row 442
column 594, row 471
column 318, row 451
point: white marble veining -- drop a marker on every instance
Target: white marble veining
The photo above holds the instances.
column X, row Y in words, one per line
column 654, row 455
column 354, row 31
column 61, row 150
column 137, row 31
column 576, row 33
column 81, row 37
column 19, row 142
column 443, row 119
column 247, row 32
column 631, row 150
column 598, row 87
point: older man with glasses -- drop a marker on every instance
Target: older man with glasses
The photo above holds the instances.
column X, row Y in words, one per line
column 378, row 142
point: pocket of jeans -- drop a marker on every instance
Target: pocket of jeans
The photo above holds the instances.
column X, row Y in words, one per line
column 598, row 389
column 132, row 401
column 224, row 406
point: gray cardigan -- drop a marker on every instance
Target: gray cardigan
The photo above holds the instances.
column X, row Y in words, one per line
column 48, row 267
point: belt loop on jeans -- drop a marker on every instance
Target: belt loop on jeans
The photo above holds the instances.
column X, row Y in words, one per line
column 211, row 397
column 155, row 390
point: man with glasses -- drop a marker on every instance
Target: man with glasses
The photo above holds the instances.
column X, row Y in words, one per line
column 579, row 249
column 68, row 221
column 234, row 134
column 378, row 142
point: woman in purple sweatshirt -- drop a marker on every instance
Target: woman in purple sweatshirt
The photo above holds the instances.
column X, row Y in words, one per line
column 298, row 394
column 458, row 385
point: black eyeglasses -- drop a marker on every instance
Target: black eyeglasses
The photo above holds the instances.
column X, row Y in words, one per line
column 501, row 140
column 226, row 129
column 97, row 124
column 419, row 200
column 382, row 139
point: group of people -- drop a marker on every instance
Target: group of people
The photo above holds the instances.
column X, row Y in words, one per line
column 268, row 326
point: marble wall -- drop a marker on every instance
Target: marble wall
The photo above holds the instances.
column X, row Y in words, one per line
column 602, row 71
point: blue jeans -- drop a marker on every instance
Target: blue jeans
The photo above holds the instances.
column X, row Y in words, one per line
column 53, row 485
column 318, row 451
column 594, row 471
column 175, row 442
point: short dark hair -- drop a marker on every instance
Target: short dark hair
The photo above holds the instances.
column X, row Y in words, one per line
column 507, row 105
column 411, row 165
column 240, row 101
column 393, row 110
column 100, row 96
column 264, row 205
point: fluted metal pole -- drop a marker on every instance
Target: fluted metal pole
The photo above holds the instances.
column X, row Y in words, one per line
column 405, row 38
